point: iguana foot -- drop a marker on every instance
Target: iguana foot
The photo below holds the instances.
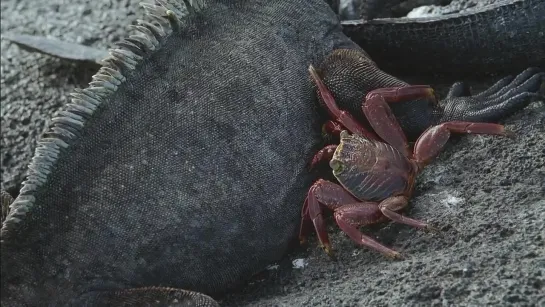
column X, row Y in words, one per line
column 350, row 74
column 5, row 201
column 502, row 99
column 149, row 296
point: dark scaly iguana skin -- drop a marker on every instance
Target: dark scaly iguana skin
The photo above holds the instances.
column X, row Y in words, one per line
column 165, row 172
column 201, row 195
column 505, row 37
column 445, row 45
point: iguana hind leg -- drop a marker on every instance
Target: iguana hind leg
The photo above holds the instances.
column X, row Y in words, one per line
column 148, row 296
column 350, row 74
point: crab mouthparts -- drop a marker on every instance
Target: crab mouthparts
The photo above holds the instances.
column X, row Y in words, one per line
column 336, row 165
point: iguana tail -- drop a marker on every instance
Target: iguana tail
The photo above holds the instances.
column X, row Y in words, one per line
column 500, row 38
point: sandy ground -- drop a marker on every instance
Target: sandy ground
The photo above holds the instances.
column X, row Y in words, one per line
column 486, row 194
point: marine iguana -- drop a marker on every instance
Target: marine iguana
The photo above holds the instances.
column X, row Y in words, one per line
column 201, row 144
column 503, row 37
column 522, row 22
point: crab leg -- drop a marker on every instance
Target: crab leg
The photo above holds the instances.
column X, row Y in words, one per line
column 390, row 205
column 305, row 223
column 383, row 121
column 330, row 195
column 380, row 116
column 432, row 141
column 349, row 213
column 350, row 217
column 324, row 154
column 332, row 128
column 404, row 93
column 343, row 117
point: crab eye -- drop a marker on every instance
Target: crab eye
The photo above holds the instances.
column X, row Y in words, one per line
column 336, row 165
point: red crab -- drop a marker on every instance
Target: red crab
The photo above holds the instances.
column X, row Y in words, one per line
column 376, row 175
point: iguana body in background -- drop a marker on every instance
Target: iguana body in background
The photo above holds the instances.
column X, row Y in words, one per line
column 183, row 165
column 499, row 38
column 504, row 37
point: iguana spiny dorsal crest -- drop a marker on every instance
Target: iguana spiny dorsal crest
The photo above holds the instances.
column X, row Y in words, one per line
column 66, row 127
column 65, row 131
